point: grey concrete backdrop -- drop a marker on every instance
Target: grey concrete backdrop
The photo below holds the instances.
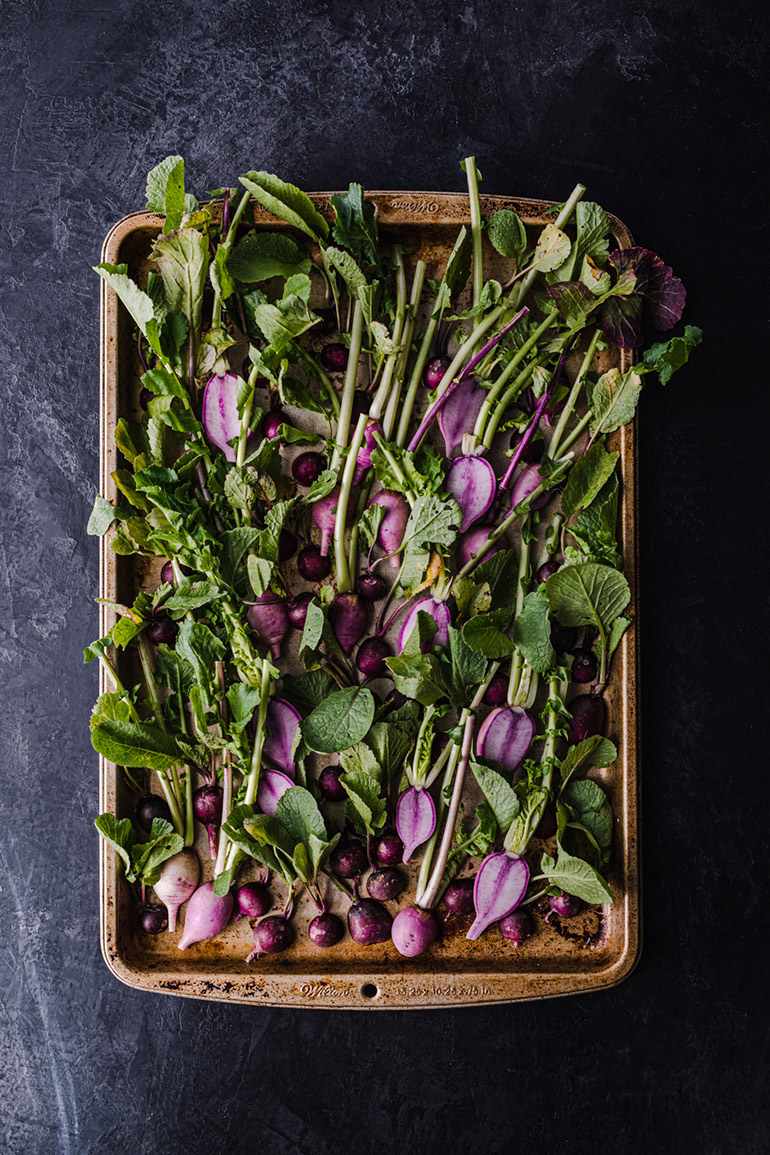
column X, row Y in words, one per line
column 660, row 109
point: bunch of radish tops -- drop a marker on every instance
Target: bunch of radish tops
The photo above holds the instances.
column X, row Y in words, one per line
column 389, row 587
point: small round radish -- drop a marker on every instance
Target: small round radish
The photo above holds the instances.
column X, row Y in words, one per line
column 272, row 422
column 349, row 861
column 587, row 718
column 517, row 927
column 565, row 905
column 369, row 922
column 584, row 666
column 434, row 372
column 334, row 357
column 547, row 569
column 388, row 850
column 370, row 659
column 287, row 545
column 312, row 565
column 271, row 936
column 497, row 691
column 307, row 468
column 167, row 575
column 414, row 931
column 385, row 884
column 152, row 919
column 298, row 610
column 331, row 788
column 458, row 896
column 326, row 930
column 253, row 900
column 472, row 483
column 563, row 638
column 150, row 807
column 207, row 806
column 371, row 587
column 162, row 631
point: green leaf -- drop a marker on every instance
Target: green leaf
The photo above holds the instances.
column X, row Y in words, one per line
column 592, row 811
column 298, row 813
column 468, row 668
column 418, row 675
column 102, row 517
column 192, row 596
column 306, row 691
column 260, row 256
column 587, row 595
column 121, row 836
column 183, row 260
column 617, row 630
column 433, row 521
column 423, row 470
column 507, row 234
column 501, row 573
column 593, row 229
column 347, row 267
column 125, row 630
column 614, row 399
column 668, row 356
column 552, row 249
column 485, row 634
column 355, row 227
column 165, row 191
column 500, row 796
column 163, row 383
column 471, row 597
column 390, row 743
column 222, row 281
column 287, row 202
column 369, row 524
column 246, row 840
column 199, row 646
column 111, row 706
column 576, row 877
column 260, row 572
column 587, row 477
column 532, row 800
column 595, row 525
column 139, row 305
column 149, row 856
column 243, row 701
column 339, row 721
column 236, row 544
column 532, row 632
column 366, row 808
column 579, row 759
column 359, row 759
column 136, row 744
column 283, row 322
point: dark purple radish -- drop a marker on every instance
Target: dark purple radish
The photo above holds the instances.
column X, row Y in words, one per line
column 525, row 484
column 348, row 618
column 334, row 357
column 331, row 788
column 563, row 638
column 500, row 886
column 220, row 412
column 326, row 930
column 269, row 619
column 325, row 517
column 207, row 807
column 361, row 403
column 392, row 527
column 459, row 413
column 207, row 914
column 547, row 826
column 298, row 610
column 283, row 721
column 584, row 666
column 385, row 884
column 152, row 919
column 388, row 850
column 506, row 736
column 162, row 631
column 587, row 718
column 145, row 397
column 434, row 371
column 439, row 611
column 497, row 691
column 415, row 819
column 272, row 422
column 307, row 468
column 472, row 483
column 272, row 935
column 167, row 573
column 370, row 659
column 364, row 458
column 371, row 587
column 273, row 784
column 565, row 905
column 516, row 928
column 471, row 542
column 414, row 931
column 252, row 900
column 312, row 565
column 349, row 861
column 547, row 569
column 327, row 321
column 533, row 450
column 458, row 896
column 149, row 808
column 368, row 922
column 287, row 545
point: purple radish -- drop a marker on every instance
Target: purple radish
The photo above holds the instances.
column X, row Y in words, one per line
column 371, row 587
column 414, row 931
column 584, row 666
column 587, row 718
column 370, row 659
column 167, row 575
column 271, row 936
column 207, row 914
column 527, row 482
column 459, row 413
column 207, row 806
column 334, row 357
column 415, row 819
column 272, row 422
column 439, row 611
column 307, row 468
column 348, row 618
column 565, row 905
column 312, row 565
column 497, row 691
column 325, row 516
column 388, row 850
column 369, row 922
column 152, row 919
column 392, row 527
column 434, row 372
column 269, row 619
column 330, row 786
column 501, row 884
column 326, row 930
column 472, row 483
column 298, row 610
column 547, row 569
column 178, row 879
column 385, row 884
column 272, row 785
column 364, row 459
column 458, row 896
column 287, row 545
column 517, row 927
column 253, row 900
column 283, row 720
column 506, row 736
column 150, row 807
column 349, row 861
column 162, row 631
column 220, row 412
column 472, row 541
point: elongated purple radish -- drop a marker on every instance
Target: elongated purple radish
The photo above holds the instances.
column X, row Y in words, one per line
column 415, row 819
column 472, row 483
column 506, row 736
column 472, row 541
column 269, row 619
column 283, row 720
column 527, row 482
column 459, row 413
column 207, row 807
column 325, row 516
column 207, row 914
column 392, row 527
column 413, row 931
column 220, row 412
column 272, row 785
column 178, row 879
column 348, row 618
column 439, row 611
column 500, row 886
column 364, row 458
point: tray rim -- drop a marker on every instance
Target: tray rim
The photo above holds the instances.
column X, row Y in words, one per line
column 319, row 989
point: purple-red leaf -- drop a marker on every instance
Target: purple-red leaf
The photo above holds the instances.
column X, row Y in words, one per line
column 657, row 297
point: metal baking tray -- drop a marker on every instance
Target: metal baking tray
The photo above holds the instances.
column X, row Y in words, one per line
column 586, row 954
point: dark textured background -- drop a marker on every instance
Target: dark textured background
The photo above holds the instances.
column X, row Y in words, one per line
column 659, row 108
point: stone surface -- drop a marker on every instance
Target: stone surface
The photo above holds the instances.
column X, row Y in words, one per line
column 659, row 109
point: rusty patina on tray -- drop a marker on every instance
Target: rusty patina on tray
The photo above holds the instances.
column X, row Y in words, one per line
column 598, row 951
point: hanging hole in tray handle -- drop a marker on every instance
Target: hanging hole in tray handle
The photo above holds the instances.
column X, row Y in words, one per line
column 370, row 991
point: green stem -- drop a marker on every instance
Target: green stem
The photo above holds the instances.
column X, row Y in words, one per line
column 558, row 433
column 430, row 845
column 406, row 345
column 507, row 399
column 349, row 388
column 243, row 435
column 551, row 540
column 108, row 667
column 475, row 207
column 227, row 244
column 149, row 678
column 344, row 583
column 575, row 432
column 429, row 895
column 502, row 380
column 517, row 660
column 189, row 834
column 415, row 380
column 227, row 805
column 382, row 396
column 252, row 781
column 168, row 794
column 561, row 220
column 326, row 383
